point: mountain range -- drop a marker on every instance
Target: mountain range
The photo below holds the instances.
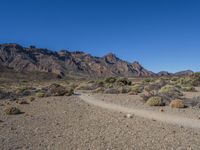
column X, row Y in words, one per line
column 65, row 63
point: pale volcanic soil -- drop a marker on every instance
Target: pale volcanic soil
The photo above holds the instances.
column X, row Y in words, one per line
column 70, row 123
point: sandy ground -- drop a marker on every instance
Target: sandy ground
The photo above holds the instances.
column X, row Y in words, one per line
column 69, row 123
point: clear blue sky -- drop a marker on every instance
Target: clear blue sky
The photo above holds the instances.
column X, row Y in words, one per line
column 160, row 34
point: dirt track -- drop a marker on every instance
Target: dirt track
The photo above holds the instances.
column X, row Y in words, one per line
column 164, row 117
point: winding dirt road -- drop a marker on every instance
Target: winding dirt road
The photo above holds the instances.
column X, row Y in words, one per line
column 163, row 117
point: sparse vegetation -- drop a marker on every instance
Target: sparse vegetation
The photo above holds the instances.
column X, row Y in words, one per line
column 177, row 104
column 136, row 89
column 155, row 101
column 31, row 98
column 110, row 80
column 40, row 94
column 12, row 110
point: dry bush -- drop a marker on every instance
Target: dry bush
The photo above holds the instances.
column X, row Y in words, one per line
column 123, row 81
column 170, row 91
column 177, row 103
column 12, row 110
column 136, row 89
column 58, row 90
column 40, row 94
column 124, row 89
column 31, row 98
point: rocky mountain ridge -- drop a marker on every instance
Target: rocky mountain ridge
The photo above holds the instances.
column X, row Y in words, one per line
column 65, row 63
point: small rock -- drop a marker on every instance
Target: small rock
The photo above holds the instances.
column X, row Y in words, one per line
column 161, row 110
column 128, row 116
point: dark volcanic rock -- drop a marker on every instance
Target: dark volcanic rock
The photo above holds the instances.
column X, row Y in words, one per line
column 66, row 63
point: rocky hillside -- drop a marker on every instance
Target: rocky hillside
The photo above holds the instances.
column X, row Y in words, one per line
column 67, row 63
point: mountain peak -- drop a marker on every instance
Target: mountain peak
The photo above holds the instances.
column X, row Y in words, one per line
column 111, row 58
column 67, row 63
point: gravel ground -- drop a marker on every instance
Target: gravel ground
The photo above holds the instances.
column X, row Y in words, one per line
column 69, row 123
column 135, row 101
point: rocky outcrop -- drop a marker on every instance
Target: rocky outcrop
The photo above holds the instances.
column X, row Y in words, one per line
column 67, row 63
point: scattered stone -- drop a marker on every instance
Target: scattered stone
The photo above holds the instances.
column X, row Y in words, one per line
column 128, row 116
column 161, row 110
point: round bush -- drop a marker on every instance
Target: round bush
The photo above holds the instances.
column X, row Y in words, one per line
column 155, row 101
column 177, row 104
column 12, row 111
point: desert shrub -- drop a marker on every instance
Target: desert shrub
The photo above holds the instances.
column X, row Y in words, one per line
column 152, row 87
column 124, row 89
column 110, row 80
column 147, row 80
column 22, row 102
column 123, row 81
column 31, row 98
column 111, row 91
column 136, row 89
column 177, row 104
column 173, row 79
column 58, row 90
column 25, row 91
column 155, row 101
column 40, row 94
column 188, row 89
column 192, row 80
column 162, row 81
column 12, row 110
column 171, row 91
column 91, row 81
column 90, row 86
column 98, row 90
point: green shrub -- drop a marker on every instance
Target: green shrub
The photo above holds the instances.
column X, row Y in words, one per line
column 155, row 101
column 136, row 89
column 171, row 91
column 40, row 94
column 110, row 80
column 188, row 89
column 31, row 98
column 167, row 89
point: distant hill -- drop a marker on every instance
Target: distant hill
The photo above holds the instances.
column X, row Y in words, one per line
column 65, row 63
column 180, row 73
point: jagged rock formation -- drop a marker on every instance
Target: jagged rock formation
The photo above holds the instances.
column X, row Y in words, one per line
column 66, row 63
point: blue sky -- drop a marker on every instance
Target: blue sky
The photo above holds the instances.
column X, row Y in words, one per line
column 160, row 34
